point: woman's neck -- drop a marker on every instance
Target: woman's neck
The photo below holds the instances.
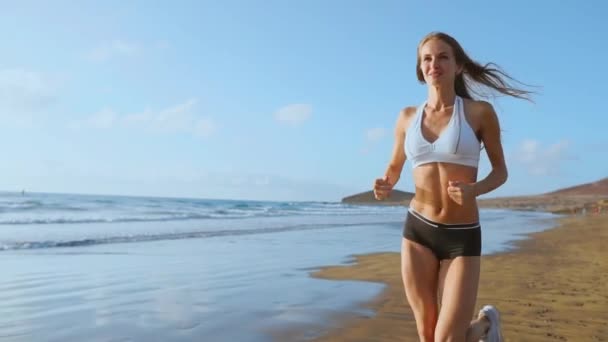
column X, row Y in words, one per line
column 440, row 98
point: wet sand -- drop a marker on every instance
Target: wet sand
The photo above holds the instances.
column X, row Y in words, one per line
column 552, row 287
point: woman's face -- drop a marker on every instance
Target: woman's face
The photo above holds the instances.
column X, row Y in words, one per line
column 437, row 63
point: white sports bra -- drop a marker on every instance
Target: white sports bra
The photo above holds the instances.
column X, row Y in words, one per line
column 456, row 144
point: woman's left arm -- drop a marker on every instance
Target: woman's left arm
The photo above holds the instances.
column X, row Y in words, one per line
column 490, row 136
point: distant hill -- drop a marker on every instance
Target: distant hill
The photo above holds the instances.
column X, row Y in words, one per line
column 566, row 200
column 595, row 188
column 397, row 197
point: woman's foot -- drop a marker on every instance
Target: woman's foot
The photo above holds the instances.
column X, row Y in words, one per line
column 493, row 334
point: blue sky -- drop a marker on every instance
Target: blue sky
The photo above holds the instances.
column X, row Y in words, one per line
column 279, row 100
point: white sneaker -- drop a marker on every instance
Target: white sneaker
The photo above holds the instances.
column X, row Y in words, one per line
column 494, row 333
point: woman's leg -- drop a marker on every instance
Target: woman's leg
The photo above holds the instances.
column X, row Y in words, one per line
column 458, row 283
column 419, row 268
column 479, row 326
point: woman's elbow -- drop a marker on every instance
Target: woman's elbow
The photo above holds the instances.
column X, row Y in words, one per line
column 503, row 175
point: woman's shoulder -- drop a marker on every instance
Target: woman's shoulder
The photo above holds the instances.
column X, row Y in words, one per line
column 406, row 114
column 478, row 106
column 479, row 109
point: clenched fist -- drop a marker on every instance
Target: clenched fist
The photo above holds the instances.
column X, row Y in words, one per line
column 460, row 192
column 382, row 188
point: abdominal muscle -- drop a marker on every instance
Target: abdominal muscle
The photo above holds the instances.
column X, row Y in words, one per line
column 431, row 199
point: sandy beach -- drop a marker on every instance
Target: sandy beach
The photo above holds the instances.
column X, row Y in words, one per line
column 552, row 287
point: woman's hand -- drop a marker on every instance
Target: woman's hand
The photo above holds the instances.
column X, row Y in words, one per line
column 461, row 192
column 382, row 188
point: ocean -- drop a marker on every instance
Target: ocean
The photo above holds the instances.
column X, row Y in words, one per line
column 114, row 268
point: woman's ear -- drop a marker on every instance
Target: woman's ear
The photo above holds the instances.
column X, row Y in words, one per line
column 460, row 70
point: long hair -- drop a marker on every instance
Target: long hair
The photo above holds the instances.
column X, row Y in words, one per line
column 489, row 75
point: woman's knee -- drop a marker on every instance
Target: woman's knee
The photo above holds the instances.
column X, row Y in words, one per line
column 424, row 307
column 426, row 320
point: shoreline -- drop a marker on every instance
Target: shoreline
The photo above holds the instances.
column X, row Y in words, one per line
column 550, row 286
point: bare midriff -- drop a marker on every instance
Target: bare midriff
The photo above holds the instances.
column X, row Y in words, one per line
column 431, row 197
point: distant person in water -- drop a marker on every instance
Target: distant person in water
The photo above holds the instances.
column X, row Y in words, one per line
column 443, row 137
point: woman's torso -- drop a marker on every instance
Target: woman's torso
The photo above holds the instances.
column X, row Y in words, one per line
column 456, row 138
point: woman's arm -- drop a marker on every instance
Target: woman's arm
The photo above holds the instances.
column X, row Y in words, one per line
column 490, row 135
column 383, row 186
column 395, row 165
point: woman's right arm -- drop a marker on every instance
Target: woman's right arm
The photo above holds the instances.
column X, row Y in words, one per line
column 398, row 157
column 383, row 185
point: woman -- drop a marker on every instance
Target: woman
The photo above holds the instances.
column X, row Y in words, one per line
column 441, row 245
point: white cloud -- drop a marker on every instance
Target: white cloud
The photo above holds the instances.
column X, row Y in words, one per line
column 135, row 119
column 105, row 118
column 180, row 118
column 375, row 134
column 543, row 160
column 24, row 90
column 204, row 127
column 372, row 136
column 175, row 118
column 294, row 114
column 112, row 49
